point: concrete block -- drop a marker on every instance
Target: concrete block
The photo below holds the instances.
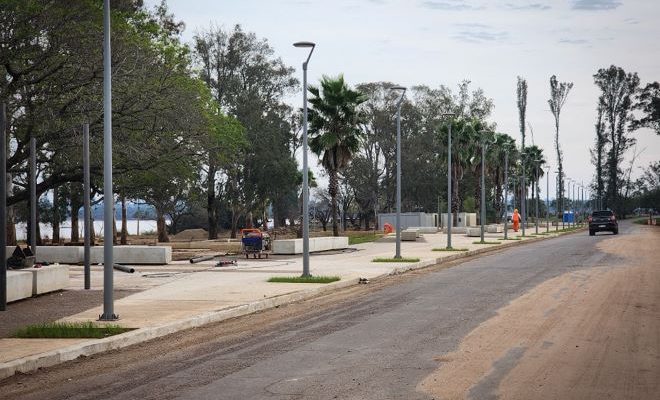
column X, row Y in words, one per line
column 494, row 228
column 474, row 231
column 154, row 255
column 456, row 230
column 60, row 254
column 294, row 246
column 426, row 229
column 409, row 235
column 19, row 285
column 49, row 279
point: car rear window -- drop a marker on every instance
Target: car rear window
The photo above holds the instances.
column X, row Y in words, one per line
column 603, row 213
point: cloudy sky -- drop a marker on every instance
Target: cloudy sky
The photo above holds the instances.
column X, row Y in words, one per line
column 490, row 43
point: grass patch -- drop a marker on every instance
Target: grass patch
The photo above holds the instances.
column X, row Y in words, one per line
column 511, row 238
column 485, row 242
column 69, row 330
column 364, row 238
column 303, row 279
column 644, row 221
column 402, row 259
column 451, row 249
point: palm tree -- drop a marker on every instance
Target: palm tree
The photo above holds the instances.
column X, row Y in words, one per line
column 496, row 170
column 334, row 132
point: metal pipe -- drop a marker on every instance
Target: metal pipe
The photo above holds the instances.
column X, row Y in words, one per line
column 123, row 268
column 3, row 208
column 547, row 200
column 87, row 207
column 199, row 259
column 108, row 197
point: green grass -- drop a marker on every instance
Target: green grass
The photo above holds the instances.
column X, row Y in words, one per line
column 69, row 330
column 303, row 279
column 451, row 249
column 364, row 238
column 485, row 242
column 511, row 238
column 643, row 221
column 402, row 259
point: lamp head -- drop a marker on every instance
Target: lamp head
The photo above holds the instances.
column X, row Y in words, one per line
column 304, row 44
column 402, row 88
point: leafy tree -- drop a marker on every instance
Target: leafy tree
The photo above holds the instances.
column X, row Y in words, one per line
column 334, row 130
column 648, row 101
column 558, row 95
column 618, row 89
column 598, row 153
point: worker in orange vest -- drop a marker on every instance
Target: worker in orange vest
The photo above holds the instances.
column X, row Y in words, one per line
column 516, row 220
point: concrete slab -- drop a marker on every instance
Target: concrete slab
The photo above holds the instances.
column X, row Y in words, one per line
column 474, row 232
column 496, row 228
column 425, row 229
column 49, row 279
column 60, row 254
column 295, row 246
column 135, row 255
column 409, row 235
column 19, row 285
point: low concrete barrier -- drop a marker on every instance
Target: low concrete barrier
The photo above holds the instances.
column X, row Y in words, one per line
column 494, row 228
column 156, row 255
column 409, row 235
column 456, row 229
column 474, row 232
column 294, row 246
column 19, row 285
column 426, row 229
column 49, row 279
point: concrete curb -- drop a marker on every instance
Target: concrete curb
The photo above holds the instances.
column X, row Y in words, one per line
column 54, row 357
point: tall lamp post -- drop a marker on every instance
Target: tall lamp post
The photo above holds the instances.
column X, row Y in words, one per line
column 536, row 182
column 305, row 188
column 569, row 201
column 398, row 169
column 450, row 219
column 482, row 216
column 507, row 148
column 108, row 196
column 3, row 208
column 547, row 199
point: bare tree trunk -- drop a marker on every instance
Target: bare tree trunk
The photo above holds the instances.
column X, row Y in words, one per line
column 211, row 209
column 56, row 216
column 124, row 222
column 332, row 189
column 11, row 215
column 161, row 227
column 234, row 223
column 75, row 207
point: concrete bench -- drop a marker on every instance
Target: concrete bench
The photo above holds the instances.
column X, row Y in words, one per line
column 410, row 235
column 19, row 285
column 494, row 228
column 474, row 232
column 49, row 279
column 456, row 229
column 154, row 255
column 425, row 229
column 295, row 246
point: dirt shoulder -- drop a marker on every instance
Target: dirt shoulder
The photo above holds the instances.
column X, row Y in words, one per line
column 588, row 334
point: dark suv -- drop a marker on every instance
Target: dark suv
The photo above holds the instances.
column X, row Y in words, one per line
column 603, row 220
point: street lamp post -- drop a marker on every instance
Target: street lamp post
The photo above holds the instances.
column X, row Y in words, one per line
column 482, row 215
column 305, row 188
column 506, row 188
column 536, row 180
column 108, row 196
column 449, row 213
column 569, row 201
column 547, row 199
column 398, row 169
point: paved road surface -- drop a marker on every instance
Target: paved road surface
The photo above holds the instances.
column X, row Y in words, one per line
column 386, row 340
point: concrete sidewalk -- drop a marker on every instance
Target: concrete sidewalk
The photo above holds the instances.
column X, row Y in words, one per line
column 181, row 295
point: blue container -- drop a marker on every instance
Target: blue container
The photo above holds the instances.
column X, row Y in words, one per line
column 569, row 217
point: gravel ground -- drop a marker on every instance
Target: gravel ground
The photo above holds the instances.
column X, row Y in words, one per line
column 50, row 307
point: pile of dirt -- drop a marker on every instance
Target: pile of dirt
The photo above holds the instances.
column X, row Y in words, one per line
column 191, row 234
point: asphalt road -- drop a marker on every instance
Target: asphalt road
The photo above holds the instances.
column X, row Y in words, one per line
column 378, row 342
